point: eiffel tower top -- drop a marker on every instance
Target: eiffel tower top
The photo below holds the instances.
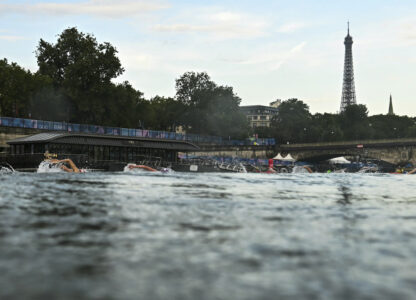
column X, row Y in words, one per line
column 348, row 38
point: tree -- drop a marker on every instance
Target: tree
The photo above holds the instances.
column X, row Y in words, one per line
column 78, row 60
column 16, row 87
column 293, row 122
column 354, row 122
column 190, row 85
column 210, row 109
column 121, row 105
column 166, row 113
column 82, row 69
column 326, row 128
column 391, row 126
column 48, row 102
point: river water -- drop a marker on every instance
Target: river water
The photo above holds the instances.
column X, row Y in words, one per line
column 207, row 236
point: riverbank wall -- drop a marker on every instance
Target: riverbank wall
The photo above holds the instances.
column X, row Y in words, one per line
column 246, row 152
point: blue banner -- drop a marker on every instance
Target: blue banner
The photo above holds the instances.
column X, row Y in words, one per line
column 84, row 128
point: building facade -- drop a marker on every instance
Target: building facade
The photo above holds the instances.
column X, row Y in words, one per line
column 260, row 115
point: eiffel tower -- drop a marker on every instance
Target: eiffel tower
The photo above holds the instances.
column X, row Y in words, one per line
column 348, row 87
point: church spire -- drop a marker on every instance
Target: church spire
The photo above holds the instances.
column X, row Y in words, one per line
column 391, row 113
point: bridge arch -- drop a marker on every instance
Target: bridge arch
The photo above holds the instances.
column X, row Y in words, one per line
column 394, row 152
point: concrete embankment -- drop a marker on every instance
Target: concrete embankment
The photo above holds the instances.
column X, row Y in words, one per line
column 247, row 152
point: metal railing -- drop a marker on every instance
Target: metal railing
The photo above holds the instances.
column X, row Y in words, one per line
column 128, row 132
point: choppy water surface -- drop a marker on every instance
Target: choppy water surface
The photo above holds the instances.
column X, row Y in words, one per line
column 207, row 236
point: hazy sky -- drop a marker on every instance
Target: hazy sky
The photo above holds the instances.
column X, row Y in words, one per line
column 264, row 49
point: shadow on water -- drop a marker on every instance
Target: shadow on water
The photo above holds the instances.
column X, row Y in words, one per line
column 346, row 195
column 277, row 219
column 207, row 228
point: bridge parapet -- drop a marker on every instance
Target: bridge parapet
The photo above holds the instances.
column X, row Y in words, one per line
column 394, row 151
column 357, row 144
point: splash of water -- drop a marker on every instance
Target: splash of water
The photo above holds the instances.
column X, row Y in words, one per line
column 299, row 169
column 47, row 167
column 134, row 170
column 167, row 170
column 5, row 168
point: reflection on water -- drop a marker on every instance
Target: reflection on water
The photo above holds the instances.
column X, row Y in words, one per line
column 207, row 236
column 346, row 195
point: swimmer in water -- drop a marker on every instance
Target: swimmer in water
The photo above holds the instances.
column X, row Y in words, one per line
column 143, row 167
column 71, row 168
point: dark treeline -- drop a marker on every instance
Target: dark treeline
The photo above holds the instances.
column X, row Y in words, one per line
column 74, row 83
column 295, row 124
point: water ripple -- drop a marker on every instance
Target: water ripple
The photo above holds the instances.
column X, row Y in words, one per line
column 207, row 236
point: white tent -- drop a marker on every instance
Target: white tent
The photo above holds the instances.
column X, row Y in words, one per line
column 339, row 160
column 288, row 158
column 278, row 157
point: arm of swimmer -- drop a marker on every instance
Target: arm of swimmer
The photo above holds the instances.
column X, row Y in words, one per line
column 308, row 169
column 66, row 169
column 72, row 166
column 142, row 167
column 412, row 172
column 149, row 169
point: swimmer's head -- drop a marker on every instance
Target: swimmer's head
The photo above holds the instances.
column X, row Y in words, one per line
column 50, row 155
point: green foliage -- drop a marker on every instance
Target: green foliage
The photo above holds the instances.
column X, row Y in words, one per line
column 120, row 105
column 292, row 122
column 47, row 101
column 81, row 70
column 16, row 87
column 78, row 60
column 210, row 109
column 166, row 113
column 354, row 122
column 191, row 86
column 392, row 126
column 326, row 128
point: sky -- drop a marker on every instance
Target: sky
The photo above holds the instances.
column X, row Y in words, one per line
column 265, row 50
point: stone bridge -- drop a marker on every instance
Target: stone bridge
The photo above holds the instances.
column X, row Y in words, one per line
column 394, row 151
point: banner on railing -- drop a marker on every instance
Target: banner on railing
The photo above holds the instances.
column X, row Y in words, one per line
column 116, row 131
